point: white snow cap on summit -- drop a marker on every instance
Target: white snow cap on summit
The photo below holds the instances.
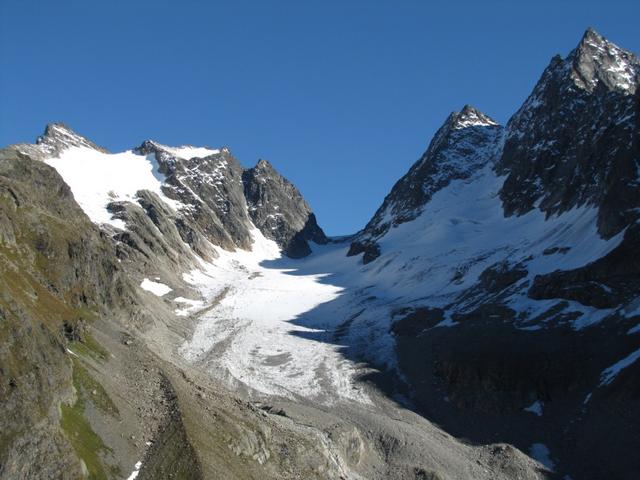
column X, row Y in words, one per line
column 471, row 117
column 187, row 152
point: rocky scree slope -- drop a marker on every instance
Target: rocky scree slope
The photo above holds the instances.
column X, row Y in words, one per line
column 510, row 258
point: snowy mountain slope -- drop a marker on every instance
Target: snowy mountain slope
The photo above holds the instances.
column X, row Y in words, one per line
column 97, row 179
column 502, row 284
column 465, row 143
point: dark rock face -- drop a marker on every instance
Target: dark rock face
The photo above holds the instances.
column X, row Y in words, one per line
column 370, row 249
column 463, row 145
column 500, row 276
column 224, row 201
column 211, row 189
column 417, row 321
column 489, row 373
column 277, row 208
column 575, row 139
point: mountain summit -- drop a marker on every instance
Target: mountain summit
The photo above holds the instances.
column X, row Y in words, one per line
column 574, row 141
column 463, row 145
column 596, row 61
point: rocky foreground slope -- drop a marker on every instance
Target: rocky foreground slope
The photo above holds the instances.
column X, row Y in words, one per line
column 167, row 313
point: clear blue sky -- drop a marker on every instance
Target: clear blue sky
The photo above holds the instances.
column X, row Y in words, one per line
column 342, row 97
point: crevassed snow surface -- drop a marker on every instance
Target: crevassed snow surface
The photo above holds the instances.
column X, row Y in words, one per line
column 279, row 326
column 157, row 288
column 250, row 330
column 97, row 178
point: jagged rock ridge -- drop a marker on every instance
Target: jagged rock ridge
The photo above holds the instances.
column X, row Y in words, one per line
column 215, row 201
column 279, row 211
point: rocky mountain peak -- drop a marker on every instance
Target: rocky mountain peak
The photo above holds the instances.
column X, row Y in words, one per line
column 278, row 209
column 264, row 166
column 464, row 144
column 598, row 61
column 56, row 138
column 184, row 152
column 470, row 116
column 572, row 141
column 60, row 136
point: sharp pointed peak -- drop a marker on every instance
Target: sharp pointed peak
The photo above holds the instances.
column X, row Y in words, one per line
column 470, row 116
column 591, row 35
column 593, row 44
column 58, row 136
column 56, row 127
column 597, row 60
column 264, row 164
column 60, row 130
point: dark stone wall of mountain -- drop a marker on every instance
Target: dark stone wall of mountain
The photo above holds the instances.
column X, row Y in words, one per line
column 279, row 211
column 211, row 187
column 224, row 200
column 575, row 139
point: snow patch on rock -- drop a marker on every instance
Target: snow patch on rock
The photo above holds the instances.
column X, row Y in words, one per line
column 609, row 374
column 158, row 289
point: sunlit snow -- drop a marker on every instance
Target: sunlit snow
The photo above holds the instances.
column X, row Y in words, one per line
column 250, row 329
column 135, row 472
column 159, row 289
column 97, row 178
